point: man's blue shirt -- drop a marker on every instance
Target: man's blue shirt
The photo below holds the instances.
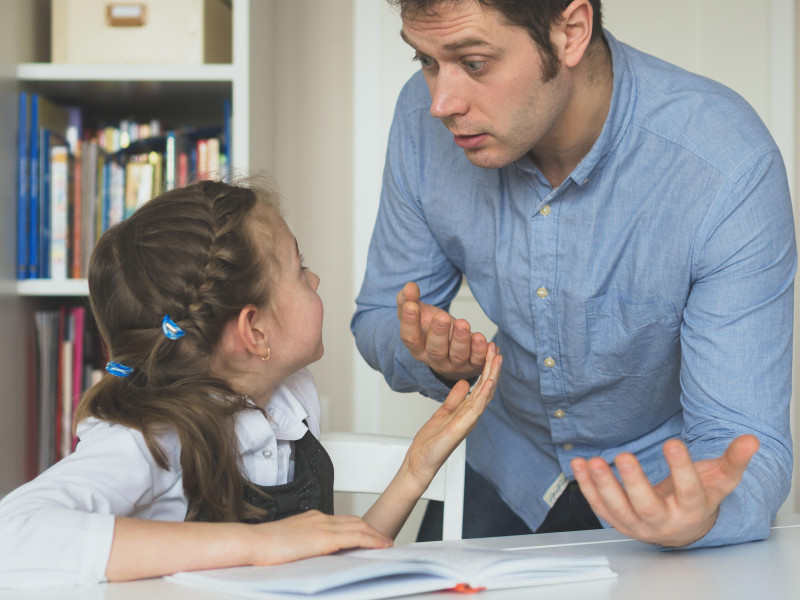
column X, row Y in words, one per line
column 649, row 296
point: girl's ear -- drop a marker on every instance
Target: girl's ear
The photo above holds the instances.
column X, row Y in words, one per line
column 252, row 330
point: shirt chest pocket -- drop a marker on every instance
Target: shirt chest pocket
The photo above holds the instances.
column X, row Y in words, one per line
column 631, row 339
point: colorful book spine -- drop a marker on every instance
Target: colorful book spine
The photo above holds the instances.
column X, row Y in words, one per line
column 76, row 214
column 33, row 190
column 202, row 159
column 23, row 183
column 170, row 166
column 79, row 363
column 44, row 232
column 59, row 211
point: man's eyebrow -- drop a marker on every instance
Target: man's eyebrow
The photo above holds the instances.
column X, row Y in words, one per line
column 405, row 39
column 454, row 46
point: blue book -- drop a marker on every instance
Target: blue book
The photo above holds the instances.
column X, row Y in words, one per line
column 44, row 117
column 22, row 188
column 47, row 139
column 33, row 191
column 106, row 195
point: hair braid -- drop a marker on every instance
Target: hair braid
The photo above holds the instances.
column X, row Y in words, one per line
column 189, row 254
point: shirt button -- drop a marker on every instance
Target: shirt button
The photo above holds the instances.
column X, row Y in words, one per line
column 545, row 210
column 567, row 447
column 542, row 292
column 559, row 414
column 549, row 362
column 266, row 453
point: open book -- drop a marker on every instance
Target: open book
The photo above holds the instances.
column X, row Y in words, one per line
column 398, row 571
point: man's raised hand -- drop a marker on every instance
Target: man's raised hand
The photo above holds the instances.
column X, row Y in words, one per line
column 434, row 337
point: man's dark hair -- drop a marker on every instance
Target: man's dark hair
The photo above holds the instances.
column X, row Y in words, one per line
column 537, row 16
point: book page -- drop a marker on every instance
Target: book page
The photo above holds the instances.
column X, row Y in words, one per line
column 480, row 566
column 373, row 574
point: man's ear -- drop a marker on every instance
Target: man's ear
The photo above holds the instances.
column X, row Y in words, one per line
column 252, row 330
column 575, row 31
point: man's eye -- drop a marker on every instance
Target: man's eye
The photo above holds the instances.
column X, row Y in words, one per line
column 425, row 61
column 474, row 66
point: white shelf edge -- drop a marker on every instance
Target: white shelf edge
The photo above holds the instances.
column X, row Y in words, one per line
column 50, row 287
column 68, row 72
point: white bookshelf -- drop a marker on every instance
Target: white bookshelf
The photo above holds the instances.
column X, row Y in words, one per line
column 126, row 73
column 40, row 288
column 184, row 92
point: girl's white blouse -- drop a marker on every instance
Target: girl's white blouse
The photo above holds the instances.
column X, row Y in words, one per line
column 57, row 529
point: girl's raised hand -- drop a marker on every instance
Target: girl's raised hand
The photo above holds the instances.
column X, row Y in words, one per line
column 311, row 534
column 452, row 421
column 434, row 442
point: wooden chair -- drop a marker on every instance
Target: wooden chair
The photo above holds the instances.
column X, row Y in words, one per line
column 366, row 463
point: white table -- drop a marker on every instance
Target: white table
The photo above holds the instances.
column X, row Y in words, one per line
column 768, row 570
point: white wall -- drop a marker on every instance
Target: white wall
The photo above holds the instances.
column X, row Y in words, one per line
column 310, row 155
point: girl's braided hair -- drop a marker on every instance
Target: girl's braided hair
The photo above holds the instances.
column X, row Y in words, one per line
column 189, row 253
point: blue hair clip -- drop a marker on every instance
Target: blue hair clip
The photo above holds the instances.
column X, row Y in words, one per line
column 171, row 329
column 118, row 370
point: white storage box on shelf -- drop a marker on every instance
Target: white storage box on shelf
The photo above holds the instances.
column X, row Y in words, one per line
column 171, row 32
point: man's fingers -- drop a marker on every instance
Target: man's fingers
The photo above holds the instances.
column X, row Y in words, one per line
column 409, row 293
column 720, row 476
column 580, row 470
column 613, row 496
column 478, row 349
column 690, row 492
column 738, row 454
column 460, row 343
column 437, row 343
column 643, row 498
column 410, row 328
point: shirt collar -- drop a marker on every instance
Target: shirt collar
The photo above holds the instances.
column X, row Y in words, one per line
column 623, row 100
column 285, row 415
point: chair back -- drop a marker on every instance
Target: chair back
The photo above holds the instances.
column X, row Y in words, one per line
column 366, row 463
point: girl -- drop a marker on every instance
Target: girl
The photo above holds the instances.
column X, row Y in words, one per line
column 199, row 448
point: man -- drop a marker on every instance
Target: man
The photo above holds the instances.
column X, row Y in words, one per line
column 628, row 228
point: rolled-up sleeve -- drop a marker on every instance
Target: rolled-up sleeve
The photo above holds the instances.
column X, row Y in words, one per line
column 736, row 343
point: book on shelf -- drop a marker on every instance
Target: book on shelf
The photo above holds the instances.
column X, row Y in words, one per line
column 23, row 229
column 47, row 327
column 66, row 362
column 59, row 211
column 110, row 171
column 399, row 571
column 47, row 122
column 81, row 367
column 90, row 156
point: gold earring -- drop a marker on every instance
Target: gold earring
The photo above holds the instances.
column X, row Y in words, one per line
column 265, row 358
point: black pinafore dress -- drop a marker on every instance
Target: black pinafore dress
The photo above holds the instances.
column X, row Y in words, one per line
column 311, row 488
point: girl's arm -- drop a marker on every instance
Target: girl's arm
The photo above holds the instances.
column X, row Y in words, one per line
column 143, row 548
column 60, row 529
column 434, row 442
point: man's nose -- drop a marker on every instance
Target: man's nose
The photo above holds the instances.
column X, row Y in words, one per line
column 448, row 96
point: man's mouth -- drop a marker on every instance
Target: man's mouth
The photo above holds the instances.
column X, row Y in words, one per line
column 469, row 141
